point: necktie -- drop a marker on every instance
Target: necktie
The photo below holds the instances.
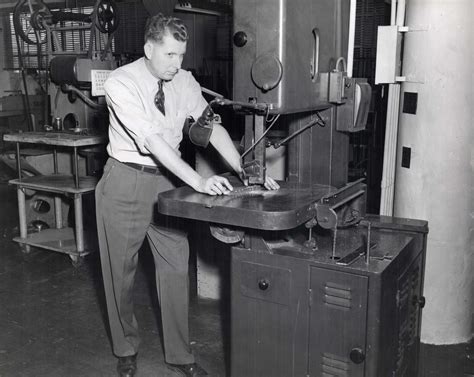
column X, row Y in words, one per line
column 160, row 98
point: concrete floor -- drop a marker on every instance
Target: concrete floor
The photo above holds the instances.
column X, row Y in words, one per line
column 53, row 323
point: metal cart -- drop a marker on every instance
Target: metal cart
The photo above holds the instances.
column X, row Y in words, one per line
column 61, row 238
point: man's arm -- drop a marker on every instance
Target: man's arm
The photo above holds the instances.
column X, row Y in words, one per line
column 120, row 94
column 221, row 140
column 161, row 150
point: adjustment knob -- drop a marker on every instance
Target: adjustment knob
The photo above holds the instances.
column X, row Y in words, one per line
column 419, row 301
column 263, row 284
column 240, row 39
column 357, row 356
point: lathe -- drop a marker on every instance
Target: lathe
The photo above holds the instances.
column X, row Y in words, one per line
column 319, row 288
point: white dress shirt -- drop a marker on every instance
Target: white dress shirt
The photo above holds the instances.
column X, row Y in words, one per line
column 130, row 91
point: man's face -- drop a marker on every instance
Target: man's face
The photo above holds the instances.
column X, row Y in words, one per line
column 164, row 59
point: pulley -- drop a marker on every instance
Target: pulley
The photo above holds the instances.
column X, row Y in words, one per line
column 107, row 19
column 31, row 16
column 28, row 16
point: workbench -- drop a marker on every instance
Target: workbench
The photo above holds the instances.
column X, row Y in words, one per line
column 61, row 238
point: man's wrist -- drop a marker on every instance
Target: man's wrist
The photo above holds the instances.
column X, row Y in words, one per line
column 196, row 182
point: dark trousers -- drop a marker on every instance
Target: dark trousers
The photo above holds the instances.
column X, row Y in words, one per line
column 126, row 214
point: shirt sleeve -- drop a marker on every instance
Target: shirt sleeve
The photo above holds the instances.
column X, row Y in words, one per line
column 195, row 101
column 126, row 106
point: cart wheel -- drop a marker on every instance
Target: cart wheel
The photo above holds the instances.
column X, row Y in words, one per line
column 25, row 249
column 76, row 261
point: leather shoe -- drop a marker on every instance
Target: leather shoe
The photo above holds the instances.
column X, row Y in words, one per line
column 188, row 370
column 127, row 366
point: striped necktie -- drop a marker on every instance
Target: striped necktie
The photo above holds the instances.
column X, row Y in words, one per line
column 160, row 98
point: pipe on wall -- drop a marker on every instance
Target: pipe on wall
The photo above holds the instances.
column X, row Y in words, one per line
column 397, row 17
column 350, row 44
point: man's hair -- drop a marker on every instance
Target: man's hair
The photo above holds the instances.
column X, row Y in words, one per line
column 159, row 25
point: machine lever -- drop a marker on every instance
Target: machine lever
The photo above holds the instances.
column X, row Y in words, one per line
column 259, row 107
column 320, row 122
column 211, row 92
column 296, row 133
column 333, row 198
column 220, row 100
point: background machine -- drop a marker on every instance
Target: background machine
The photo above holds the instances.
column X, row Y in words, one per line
column 319, row 288
column 75, row 120
column 74, row 71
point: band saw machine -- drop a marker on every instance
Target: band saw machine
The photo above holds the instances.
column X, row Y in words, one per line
column 318, row 287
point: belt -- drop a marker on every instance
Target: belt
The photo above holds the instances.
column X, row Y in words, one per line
column 145, row 168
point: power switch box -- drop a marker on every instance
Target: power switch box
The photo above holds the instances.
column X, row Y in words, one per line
column 387, row 66
column 410, row 102
column 406, row 157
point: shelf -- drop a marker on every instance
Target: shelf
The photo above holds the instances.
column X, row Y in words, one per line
column 65, row 240
column 191, row 9
column 60, row 240
column 56, row 138
column 59, row 183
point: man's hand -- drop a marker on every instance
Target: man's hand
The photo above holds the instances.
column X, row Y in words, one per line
column 271, row 184
column 215, row 185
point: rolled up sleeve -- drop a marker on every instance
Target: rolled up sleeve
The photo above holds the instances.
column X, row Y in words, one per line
column 127, row 110
column 194, row 101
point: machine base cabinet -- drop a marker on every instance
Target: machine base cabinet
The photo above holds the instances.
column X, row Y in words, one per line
column 300, row 314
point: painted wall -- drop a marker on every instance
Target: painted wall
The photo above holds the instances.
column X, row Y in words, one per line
column 438, row 185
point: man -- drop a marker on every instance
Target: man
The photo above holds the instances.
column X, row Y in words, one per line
column 148, row 101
